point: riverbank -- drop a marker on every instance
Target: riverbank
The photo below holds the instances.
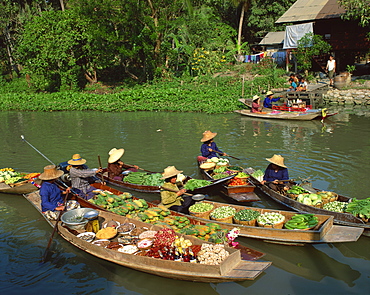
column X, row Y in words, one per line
column 355, row 97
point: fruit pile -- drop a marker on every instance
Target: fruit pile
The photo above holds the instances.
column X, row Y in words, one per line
column 302, row 221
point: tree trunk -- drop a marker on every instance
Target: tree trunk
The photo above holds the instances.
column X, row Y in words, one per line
column 241, row 20
column 9, row 51
column 61, row 5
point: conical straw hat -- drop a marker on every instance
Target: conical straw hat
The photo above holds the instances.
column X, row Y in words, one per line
column 170, row 171
column 277, row 160
column 115, row 155
column 50, row 172
column 207, row 135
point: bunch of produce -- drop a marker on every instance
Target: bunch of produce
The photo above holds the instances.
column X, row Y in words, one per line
column 327, row 196
column 180, row 243
column 143, row 178
column 200, row 207
column 360, row 208
column 237, row 181
column 164, row 238
column 192, row 184
column 8, row 175
column 212, row 254
column 220, row 169
column 296, row 190
column 270, row 218
column 336, row 206
column 223, row 212
column 310, row 199
column 258, row 174
column 220, row 175
column 219, row 161
column 235, row 168
column 246, row 214
column 241, row 175
column 302, row 221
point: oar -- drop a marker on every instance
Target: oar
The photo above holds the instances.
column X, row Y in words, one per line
column 132, row 166
column 287, row 180
column 36, row 149
column 100, row 166
column 54, row 229
column 226, row 155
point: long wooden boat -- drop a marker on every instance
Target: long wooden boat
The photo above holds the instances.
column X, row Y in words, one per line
column 156, row 189
column 346, row 219
column 232, row 268
column 324, row 232
column 19, row 189
column 281, row 115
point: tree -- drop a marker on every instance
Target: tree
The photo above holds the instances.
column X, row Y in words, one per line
column 357, row 9
column 244, row 5
column 310, row 45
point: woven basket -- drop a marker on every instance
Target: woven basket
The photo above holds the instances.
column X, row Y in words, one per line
column 245, row 222
column 276, row 225
column 204, row 215
column 228, row 219
column 292, row 196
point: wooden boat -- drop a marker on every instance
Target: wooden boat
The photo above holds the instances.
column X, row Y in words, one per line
column 324, row 232
column 232, row 268
column 156, row 189
column 346, row 219
column 21, row 188
column 281, row 115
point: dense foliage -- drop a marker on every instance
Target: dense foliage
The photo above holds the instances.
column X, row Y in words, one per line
column 62, row 45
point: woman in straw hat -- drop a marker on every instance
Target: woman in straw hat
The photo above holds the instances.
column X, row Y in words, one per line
column 267, row 103
column 209, row 148
column 115, row 165
column 172, row 198
column 51, row 195
column 276, row 171
column 81, row 177
column 256, row 107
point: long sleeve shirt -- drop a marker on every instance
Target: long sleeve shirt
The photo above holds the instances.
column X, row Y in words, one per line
column 206, row 153
column 80, row 178
column 51, row 195
column 267, row 103
column 255, row 107
column 169, row 198
column 271, row 174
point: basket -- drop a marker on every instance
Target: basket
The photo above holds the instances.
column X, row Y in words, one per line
column 292, row 196
column 276, row 225
column 228, row 219
column 245, row 222
column 204, row 215
column 207, row 166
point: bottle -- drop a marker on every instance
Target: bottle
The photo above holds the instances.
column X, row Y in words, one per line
column 185, row 255
column 177, row 256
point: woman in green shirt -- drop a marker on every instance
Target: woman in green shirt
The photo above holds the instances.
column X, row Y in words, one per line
column 171, row 195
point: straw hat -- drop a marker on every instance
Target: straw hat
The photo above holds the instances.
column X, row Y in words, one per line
column 50, row 172
column 277, row 160
column 269, row 93
column 255, row 97
column 170, row 171
column 115, row 155
column 207, row 135
column 76, row 160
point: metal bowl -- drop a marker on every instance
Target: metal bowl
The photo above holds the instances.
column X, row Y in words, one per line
column 91, row 215
column 75, row 219
column 198, row 197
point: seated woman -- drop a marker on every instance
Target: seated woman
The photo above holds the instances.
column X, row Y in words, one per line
column 81, row 177
column 51, row 195
column 269, row 99
column 276, row 172
column 173, row 198
column 302, row 85
column 256, row 104
column 209, row 148
column 115, row 165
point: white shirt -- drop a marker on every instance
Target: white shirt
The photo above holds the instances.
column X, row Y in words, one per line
column 330, row 65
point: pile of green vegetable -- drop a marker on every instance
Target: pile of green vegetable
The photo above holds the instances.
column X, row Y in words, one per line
column 201, row 207
column 258, row 174
column 192, row 184
column 360, row 208
column 143, row 178
column 310, row 199
column 270, row 218
column 295, row 189
column 302, row 221
column 223, row 212
column 335, row 206
column 8, row 175
column 246, row 215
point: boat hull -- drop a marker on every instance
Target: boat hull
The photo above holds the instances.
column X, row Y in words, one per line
column 297, row 116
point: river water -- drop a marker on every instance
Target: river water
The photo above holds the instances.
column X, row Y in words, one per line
column 335, row 156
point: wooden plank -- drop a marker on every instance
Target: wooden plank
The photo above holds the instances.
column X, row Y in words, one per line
column 243, row 197
column 342, row 234
column 245, row 269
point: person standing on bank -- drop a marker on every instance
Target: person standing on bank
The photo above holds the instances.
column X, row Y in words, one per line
column 80, row 177
column 330, row 69
column 51, row 195
column 209, row 148
column 173, row 198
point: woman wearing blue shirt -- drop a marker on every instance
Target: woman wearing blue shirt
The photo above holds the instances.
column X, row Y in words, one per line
column 51, row 195
column 209, row 148
column 275, row 171
column 267, row 103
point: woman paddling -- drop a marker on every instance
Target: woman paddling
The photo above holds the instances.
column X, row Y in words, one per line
column 275, row 172
column 209, row 148
column 115, row 165
column 51, row 194
column 173, row 197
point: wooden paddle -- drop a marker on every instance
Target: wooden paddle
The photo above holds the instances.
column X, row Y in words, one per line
column 226, row 155
column 54, row 229
column 132, row 166
column 100, row 166
column 172, row 190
